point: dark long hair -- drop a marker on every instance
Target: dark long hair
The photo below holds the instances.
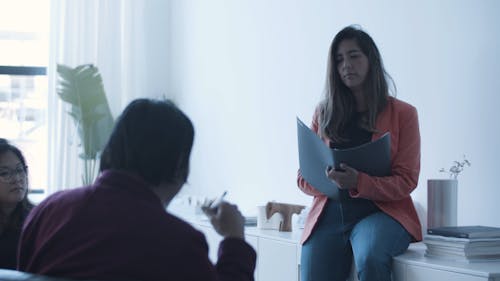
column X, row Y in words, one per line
column 339, row 104
column 16, row 219
column 152, row 139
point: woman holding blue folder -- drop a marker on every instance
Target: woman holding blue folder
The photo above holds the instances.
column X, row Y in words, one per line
column 374, row 218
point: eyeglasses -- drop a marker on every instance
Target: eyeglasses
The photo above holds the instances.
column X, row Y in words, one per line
column 8, row 175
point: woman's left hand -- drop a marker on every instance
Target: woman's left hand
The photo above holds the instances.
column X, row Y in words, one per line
column 347, row 179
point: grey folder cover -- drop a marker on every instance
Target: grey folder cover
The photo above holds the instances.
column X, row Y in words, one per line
column 373, row 158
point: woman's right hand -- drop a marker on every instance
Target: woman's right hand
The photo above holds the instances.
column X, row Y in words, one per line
column 226, row 220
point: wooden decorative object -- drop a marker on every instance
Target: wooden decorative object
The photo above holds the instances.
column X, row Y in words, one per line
column 286, row 210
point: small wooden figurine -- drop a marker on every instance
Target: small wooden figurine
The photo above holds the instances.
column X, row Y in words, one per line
column 286, row 210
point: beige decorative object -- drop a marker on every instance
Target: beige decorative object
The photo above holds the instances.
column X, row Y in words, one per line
column 286, row 210
column 273, row 223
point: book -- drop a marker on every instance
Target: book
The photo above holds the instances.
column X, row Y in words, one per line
column 474, row 231
column 462, row 249
column 450, row 240
column 373, row 158
column 473, row 259
column 462, row 243
column 466, row 252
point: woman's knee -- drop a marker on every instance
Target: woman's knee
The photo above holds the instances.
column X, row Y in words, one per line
column 380, row 233
column 375, row 241
column 371, row 259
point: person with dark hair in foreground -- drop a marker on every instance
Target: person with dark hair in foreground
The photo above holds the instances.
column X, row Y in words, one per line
column 374, row 218
column 14, row 203
column 118, row 229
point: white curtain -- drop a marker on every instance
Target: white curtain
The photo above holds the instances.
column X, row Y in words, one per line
column 128, row 41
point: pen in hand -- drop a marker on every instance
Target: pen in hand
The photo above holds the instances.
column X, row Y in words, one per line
column 217, row 201
column 226, row 219
column 210, row 208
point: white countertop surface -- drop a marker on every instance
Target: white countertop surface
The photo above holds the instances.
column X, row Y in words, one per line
column 202, row 220
column 415, row 256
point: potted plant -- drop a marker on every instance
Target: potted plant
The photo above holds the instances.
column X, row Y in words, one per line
column 83, row 89
column 442, row 196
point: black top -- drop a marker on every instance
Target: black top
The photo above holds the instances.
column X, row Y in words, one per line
column 355, row 136
column 9, row 240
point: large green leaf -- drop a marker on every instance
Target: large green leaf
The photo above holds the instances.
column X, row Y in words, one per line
column 83, row 89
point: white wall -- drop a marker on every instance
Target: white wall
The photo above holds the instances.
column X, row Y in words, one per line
column 242, row 70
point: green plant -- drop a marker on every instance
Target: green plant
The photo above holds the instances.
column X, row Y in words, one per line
column 456, row 169
column 83, row 89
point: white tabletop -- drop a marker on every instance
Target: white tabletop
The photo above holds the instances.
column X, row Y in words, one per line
column 415, row 256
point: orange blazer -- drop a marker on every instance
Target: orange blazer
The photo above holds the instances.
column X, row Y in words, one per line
column 392, row 193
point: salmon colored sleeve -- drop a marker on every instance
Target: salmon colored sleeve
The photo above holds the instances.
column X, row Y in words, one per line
column 405, row 164
column 301, row 182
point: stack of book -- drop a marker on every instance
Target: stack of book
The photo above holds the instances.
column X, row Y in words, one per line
column 464, row 243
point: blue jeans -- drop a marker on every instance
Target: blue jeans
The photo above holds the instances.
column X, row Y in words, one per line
column 350, row 228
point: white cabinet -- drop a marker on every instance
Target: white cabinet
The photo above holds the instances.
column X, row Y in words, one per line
column 277, row 260
column 419, row 273
column 414, row 266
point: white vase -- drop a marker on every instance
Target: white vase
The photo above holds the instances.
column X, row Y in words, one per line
column 442, row 202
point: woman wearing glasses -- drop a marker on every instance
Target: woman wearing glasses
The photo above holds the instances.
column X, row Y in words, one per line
column 14, row 204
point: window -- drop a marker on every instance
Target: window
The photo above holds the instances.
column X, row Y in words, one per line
column 23, row 82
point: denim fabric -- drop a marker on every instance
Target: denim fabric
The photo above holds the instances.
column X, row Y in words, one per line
column 352, row 227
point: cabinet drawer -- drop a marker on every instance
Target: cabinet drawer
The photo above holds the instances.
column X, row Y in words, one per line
column 277, row 260
column 419, row 273
column 254, row 242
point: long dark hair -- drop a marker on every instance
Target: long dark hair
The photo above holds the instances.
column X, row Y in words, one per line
column 152, row 139
column 15, row 220
column 339, row 104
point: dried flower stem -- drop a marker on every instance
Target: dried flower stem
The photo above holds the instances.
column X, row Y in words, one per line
column 457, row 168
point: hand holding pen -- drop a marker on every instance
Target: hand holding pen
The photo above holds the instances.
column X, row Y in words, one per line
column 215, row 204
column 225, row 218
column 209, row 207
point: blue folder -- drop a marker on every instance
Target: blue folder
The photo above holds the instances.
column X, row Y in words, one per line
column 372, row 158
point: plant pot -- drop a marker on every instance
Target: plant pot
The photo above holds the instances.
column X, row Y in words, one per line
column 442, row 202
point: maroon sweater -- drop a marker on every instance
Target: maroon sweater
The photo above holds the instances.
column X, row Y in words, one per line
column 117, row 229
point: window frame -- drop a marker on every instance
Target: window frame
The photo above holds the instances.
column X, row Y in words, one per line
column 25, row 71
